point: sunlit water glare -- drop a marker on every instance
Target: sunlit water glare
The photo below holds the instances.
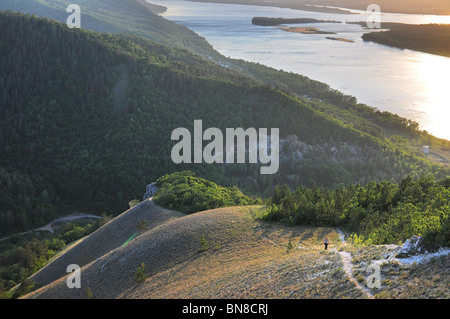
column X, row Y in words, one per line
column 412, row 84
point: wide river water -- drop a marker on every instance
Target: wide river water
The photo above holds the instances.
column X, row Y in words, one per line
column 411, row 84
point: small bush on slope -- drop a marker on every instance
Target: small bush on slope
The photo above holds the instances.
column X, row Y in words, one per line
column 189, row 194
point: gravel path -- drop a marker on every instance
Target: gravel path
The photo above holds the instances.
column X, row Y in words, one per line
column 346, row 258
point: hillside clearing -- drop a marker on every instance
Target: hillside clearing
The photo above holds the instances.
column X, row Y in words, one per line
column 112, row 235
column 231, row 253
column 243, row 258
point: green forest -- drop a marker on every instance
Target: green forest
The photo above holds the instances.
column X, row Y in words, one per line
column 377, row 213
column 23, row 255
column 185, row 192
column 86, row 120
column 118, row 16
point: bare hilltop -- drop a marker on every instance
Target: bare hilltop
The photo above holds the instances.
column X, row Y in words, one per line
column 231, row 253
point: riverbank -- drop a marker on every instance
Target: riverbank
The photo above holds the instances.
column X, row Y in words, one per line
column 429, row 38
column 282, row 4
column 433, row 7
column 266, row 21
column 156, row 9
column 306, row 30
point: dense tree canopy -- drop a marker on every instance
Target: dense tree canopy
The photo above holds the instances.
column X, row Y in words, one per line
column 431, row 38
column 86, row 121
column 378, row 213
column 187, row 193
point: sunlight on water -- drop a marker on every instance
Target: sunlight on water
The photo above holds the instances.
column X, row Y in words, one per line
column 361, row 15
column 434, row 71
column 409, row 83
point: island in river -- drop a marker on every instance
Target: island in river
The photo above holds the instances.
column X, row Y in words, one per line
column 265, row 21
column 307, row 30
column 340, row 39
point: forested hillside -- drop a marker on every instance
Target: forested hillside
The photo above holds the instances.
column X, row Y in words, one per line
column 86, row 120
column 131, row 17
column 378, row 213
column 117, row 16
column 431, row 38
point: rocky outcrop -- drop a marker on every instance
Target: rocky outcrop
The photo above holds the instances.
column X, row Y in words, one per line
column 150, row 190
column 412, row 246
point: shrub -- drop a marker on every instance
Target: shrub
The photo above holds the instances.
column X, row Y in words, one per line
column 89, row 294
column 203, row 243
column 289, row 246
column 133, row 203
column 139, row 275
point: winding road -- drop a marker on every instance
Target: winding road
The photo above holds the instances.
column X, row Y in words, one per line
column 49, row 226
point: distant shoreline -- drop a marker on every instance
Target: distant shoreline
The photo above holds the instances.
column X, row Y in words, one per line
column 155, row 8
column 266, row 21
column 340, row 7
column 306, row 30
column 428, row 38
column 295, row 6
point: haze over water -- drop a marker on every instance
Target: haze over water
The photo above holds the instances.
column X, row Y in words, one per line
column 411, row 84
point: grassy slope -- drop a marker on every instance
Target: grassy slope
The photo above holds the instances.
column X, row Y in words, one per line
column 245, row 255
column 107, row 238
column 243, row 258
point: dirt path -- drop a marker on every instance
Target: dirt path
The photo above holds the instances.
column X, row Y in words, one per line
column 69, row 218
column 346, row 258
column 49, row 226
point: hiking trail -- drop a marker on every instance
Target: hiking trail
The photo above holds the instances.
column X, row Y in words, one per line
column 346, row 258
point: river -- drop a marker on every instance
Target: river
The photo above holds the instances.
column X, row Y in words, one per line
column 411, row 84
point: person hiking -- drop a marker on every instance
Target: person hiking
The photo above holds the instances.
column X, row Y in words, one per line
column 325, row 242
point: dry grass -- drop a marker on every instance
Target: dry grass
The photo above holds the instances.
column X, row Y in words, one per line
column 230, row 253
column 425, row 280
column 107, row 238
column 258, row 265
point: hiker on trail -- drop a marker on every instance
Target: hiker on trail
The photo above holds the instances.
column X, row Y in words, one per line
column 325, row 242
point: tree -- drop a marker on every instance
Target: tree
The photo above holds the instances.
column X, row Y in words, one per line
column 139, row 274
column 133, row 203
